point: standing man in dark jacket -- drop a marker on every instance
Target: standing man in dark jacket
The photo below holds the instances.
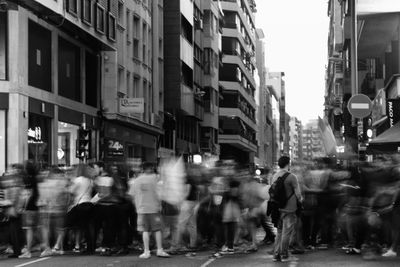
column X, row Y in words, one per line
column 288, row 217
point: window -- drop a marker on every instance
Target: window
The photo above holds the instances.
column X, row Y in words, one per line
column 128, row 84
column 69, row 77
column 120, row 13
column 87, row 11
column 136, row 81
column 136, row 48
column 100, row 18
column 72, row 7
column 128, row 26
column 3, row 45
column 111, row 27
column 136, row 27
column 160, row 48
column 39, row 57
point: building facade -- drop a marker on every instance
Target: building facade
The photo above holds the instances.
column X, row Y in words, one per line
column 132, row 95
column 276, row 85
column 312, row 141
column 264, row 107
column 237, row 111
column 377, row 69
column 51, row 81
column 295, row 140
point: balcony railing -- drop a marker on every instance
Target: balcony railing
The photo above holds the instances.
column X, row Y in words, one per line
column 245, row 134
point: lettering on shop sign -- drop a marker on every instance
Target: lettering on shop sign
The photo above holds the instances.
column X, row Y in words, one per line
column 115, row 148
column 393, row 111
column 35, row 135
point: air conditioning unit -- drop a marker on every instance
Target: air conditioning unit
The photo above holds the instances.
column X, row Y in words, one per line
column 198, row 24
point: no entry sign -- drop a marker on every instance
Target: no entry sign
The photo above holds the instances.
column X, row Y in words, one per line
column 359, row 106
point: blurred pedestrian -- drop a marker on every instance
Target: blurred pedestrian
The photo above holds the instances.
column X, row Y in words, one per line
column 148, row 206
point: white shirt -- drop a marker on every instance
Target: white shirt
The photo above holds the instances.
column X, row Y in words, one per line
column 82, row 190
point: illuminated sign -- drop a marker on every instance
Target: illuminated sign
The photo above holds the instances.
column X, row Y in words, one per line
column 35, row 135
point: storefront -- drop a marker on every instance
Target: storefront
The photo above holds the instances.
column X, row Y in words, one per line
column 39, row 133
column 69, row 122
column 123, row 144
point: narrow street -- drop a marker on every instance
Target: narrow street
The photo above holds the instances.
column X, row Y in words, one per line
column 325, row 258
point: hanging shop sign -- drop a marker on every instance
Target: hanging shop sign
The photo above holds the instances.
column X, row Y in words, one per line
column 393, row 111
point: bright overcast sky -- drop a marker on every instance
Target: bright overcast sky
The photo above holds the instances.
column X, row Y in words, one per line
column 296, row 35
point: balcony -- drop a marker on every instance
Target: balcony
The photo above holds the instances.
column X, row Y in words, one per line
column 186, row 52
column 187, row 100
column 236, row 112
column 238, row 139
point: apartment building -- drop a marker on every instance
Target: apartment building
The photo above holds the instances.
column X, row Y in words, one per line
column 312, row 145
column 237, row 112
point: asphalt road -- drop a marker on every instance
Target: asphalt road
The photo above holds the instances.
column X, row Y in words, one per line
column 327, row 258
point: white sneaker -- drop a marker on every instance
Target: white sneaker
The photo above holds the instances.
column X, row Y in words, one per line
column 47, row 252
column 224, row 248
column 145, row 255
column 162, row 254
column 389, row 253
column 57, row 251
column 26, row 255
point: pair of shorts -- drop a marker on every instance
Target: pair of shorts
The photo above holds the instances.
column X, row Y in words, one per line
column 150, row 222
column 30, row 219
column 51, row 219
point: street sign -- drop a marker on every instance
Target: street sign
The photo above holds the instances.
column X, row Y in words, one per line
column 359, row 106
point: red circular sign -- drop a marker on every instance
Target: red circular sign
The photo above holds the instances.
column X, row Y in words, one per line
column 359, row 106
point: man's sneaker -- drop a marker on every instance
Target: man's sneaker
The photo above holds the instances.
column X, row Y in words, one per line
column 26, row 255
column 291, row 258
column 389, row 253
column 57, row 251
column 217, row 255
column 277, row 258
column 145, row 255
column 229, row 251
column 163, row 254
column 322, row 246
column 47, row 252
column 353, row 251
column 76, row 250
column 224, row 248
column 9, row 250
column 106, row 252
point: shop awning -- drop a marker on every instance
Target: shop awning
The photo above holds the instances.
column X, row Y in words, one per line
column 388, row 141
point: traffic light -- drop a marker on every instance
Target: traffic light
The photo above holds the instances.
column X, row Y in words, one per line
column 83, row 143
column 367, row 129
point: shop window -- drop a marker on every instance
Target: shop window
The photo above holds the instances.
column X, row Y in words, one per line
column 39, row 56
column 100, row 18
column 3, row 46
column 67, row 140
column 39, row 139
column 69, row 70
column 87, row 11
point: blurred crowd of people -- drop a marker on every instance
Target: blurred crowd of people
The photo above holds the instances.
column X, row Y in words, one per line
column 223, row 207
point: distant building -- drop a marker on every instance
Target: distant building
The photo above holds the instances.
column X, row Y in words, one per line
column 312, row 141
column 295, row 140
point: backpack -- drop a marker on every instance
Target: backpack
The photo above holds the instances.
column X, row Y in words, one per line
column 278, row 198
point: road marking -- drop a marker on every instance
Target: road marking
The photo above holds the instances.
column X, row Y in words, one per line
column 30, row 262
column 359, row 105
column 207, row 263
